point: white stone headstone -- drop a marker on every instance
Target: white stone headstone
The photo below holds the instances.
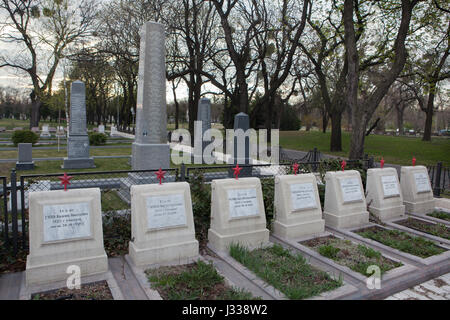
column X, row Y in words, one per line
column 162, row 224
column 45, row 131
column 417, row 191
column 384, row 196
column 101, row 128
column 297, row 206
column 237, row 214
column 345, row 203
column 65, row 229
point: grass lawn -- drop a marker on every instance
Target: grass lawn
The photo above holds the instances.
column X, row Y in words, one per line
column 402, row 241
column 355, row 256
column 196, row 281
column 396, row 150
column 290, row 274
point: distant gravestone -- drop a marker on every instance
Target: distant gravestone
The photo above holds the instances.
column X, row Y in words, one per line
column 101, row 128
column 345, row 204
column 417, row 192
column 241, row 144
column 113, row 132
column 162, row 224
column 2, row 129
column 25, row 160
column 204, row 115
column 237, row 214
column 65, row 230
column 52, row 129
column 150, row 149
column 78, row 142
column 298, row 211
column 35, row 129
column 45, row 133
column 17, row 128
column 384, row 195
column 60, row 132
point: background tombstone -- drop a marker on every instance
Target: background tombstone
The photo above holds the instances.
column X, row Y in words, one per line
column 78, row 142
column 101, row 128
column 204, row 115
column 417, row 192
column 150, row 149
column 65, row 229
column 241, row 121
column 298, row 211
column 60, row 132
column 162, row 224
column 113, row 131
column 45, row 132
column 25, row 160
column 35, row 129
column 345, row 205
column 384, row 196
column 237, row 214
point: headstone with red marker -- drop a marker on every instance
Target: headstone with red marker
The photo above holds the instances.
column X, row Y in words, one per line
column 65, row 230
column 162, row 223
column 237, row 213
column 345, row 203
column 416, row 187
column 384, row 195
column 298, row 212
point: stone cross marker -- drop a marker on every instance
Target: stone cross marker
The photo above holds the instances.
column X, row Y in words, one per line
column 78, row 144
column 25, row 161
column 150, row 149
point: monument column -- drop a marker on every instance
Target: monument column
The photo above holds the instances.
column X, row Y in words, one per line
column 150, row 149
column 78, row 144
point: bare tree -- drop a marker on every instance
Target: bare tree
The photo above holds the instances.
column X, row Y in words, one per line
column 42, row 30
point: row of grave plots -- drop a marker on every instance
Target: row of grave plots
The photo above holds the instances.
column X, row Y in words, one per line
column 330, row 263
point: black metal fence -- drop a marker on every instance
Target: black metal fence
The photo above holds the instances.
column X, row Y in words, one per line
column 115, row 187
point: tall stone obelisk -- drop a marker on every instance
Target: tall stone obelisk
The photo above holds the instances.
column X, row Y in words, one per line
column 78, row 144
column 150, row 149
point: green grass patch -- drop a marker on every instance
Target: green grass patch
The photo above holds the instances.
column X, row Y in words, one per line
column 440, row 215
column 435, row 229
column 355, row 256
column 402, row 241
column 396, row 150
column 287, row 272
column 197, row 281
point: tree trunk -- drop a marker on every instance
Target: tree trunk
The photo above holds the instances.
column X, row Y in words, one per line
column 400, row 113
column 429, row 118
column 35, row 110
column 324, row 121
column 336, row 139
column 357, row 140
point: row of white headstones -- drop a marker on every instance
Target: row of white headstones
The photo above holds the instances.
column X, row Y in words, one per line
column 66, row 226
column 101, row 129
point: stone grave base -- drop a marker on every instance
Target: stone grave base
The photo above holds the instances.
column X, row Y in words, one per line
column 298, row 229
column 38, row 272
column 388, row 213
column 150, row 156
column 347, row 221
column 253, row 239
column 164, row 254
column 25, row 165
column 422, row 207
column 78, row 163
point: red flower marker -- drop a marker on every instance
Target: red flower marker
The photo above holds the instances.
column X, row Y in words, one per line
column 296, row 168
column 343, row 164
column 382, row 163
column 236, row 170
column 160, row 175
column 65, row 180
column 414, row 161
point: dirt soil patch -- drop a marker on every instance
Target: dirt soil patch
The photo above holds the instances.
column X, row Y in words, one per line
column 195, row 281
column 347, row 253
column 90, row 291
column 402, row 241
column 435, row 229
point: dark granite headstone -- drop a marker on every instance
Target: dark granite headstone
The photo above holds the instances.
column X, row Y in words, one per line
column 25, row 159
column 78, row 142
